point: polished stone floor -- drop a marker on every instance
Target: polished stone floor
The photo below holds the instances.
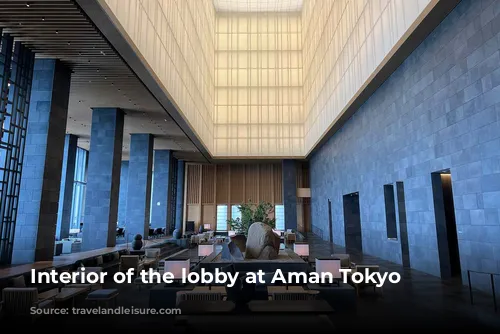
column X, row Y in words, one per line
column 419, row 301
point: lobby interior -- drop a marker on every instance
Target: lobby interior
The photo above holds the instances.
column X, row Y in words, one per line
column 363, row 134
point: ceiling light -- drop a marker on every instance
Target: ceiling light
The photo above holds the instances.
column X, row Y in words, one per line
column 69, row 43
column 43, row 18
column 28, row 4
column 57, row 32
column 165, row 119
column 105, row 78
column 97, row 70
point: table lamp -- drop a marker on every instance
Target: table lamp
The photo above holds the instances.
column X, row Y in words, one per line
column 205, row 250
column 176, row 267
column 301, row 250
column 231, row 233
column 207, row 227
column 328, row 267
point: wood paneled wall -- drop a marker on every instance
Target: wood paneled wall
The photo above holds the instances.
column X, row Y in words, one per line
column 210, row 185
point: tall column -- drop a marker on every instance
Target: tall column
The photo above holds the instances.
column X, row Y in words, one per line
column 43, row 158
column 122, row 201
column 290, row 193
column 103, row 178
column 179, row 202
column 140, row 171
column 66, row 189
column 161, row 188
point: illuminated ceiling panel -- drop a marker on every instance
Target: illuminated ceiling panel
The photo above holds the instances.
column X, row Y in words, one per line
column 258, row 5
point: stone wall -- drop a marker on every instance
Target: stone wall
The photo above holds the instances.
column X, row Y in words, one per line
column 439, row 110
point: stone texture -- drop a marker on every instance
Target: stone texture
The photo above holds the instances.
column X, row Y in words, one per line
column 140, row 172
column 179, row 201
column 122, row 198
column 161, row 188
column 262, row 243
column 240, row 241
column 103, row 178
column 43, row 157
column 66, row 190
column 290, row 193
column 440, row 109
column 231, row 252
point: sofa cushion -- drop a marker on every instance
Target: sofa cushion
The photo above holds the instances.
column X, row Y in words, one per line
column 18, row 282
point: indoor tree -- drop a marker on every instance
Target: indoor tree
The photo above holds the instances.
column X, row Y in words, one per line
column 252, row 213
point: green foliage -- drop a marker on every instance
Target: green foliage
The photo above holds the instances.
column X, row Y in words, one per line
column 252, row 213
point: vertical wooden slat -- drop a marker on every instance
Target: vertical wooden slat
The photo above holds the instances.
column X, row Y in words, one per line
column 278, row 184
column 251, row 183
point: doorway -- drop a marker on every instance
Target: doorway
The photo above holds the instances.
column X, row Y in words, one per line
column 352, row 223
column 403, row 228
column 446, row 227
column 330, row 221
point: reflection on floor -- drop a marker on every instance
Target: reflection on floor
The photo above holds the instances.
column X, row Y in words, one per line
column 419, row 301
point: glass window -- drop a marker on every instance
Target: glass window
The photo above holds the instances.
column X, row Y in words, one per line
column 80, row 183
column 221, row 218
column 235, row 212
column 279, row 212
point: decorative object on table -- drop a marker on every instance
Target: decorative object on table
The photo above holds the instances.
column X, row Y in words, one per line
column 262, row 242
column 239, row 240
column 207, row 227
column 137, row 243
column 231, row 252
column 252, row 213
column 177, row 234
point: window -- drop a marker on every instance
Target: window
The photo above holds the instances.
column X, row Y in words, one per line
column 279, row 213
column 390, row 212
column 235, row 211
column 221, row 218
column 80, row 183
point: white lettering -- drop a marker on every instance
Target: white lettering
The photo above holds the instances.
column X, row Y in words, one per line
column 395, row 279
column 345, row 277
column 278, row 275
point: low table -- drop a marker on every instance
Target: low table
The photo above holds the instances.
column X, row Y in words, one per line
column 217, row 289
column 103, row 296
column 286, row 306
column 69, row 294
column 275, row 288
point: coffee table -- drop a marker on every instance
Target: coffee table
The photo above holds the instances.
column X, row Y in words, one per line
column 275, row 288
column 218, row 289
column 69, row 294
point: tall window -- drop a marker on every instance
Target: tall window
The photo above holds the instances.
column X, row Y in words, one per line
column 221, row 218
column 279, row 213
column 235, row 211
column 80, row 183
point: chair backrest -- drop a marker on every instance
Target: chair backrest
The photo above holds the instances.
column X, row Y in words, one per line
column 371, row 269
column 152, row 252
column 293, row 296
column 198, row 296
column 345, row 260
column 19, row 301
column 129, row 261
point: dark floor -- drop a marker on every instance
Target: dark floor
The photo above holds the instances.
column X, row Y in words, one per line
column 419, row 301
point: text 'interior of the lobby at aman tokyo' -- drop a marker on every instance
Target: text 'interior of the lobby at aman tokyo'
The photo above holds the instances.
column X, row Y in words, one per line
column 302, row 137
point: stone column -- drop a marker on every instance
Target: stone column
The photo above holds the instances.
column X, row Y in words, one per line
column 290, row 193
column 161, row 188
column 103, row 178
column 179, row 202
column 140, row 171
column 122, row 201
column 43, row 158
column 66, row 189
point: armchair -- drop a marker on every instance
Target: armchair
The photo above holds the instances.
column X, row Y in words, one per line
column 198, row 296
column 19, row 301
column 89, row 286
column 131, row 261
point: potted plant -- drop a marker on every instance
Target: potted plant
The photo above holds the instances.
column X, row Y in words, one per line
column 252, row 213
column 137, row 243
